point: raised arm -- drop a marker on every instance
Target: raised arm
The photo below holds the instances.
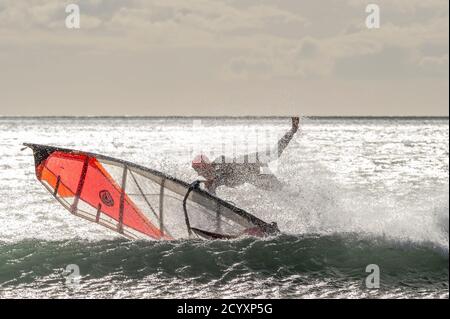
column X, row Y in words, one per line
column 284, row 141
column 275, row 152
column 262, row 158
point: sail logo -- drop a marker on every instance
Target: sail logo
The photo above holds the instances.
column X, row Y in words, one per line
column 106, row 198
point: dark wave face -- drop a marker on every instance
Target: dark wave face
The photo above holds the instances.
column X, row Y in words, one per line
column 281, row 267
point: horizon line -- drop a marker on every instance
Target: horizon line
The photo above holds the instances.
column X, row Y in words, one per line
column 225, row 116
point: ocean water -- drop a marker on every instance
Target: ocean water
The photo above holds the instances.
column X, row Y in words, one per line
column 356, row 192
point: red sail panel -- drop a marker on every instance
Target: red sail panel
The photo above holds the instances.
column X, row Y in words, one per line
column 98, row 188
column 59, row 165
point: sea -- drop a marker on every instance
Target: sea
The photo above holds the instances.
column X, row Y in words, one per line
column 363, row 211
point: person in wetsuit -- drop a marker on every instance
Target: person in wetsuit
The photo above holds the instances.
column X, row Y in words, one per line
column 245, row 169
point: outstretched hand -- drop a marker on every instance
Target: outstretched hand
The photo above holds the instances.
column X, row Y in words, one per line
column 295, row 123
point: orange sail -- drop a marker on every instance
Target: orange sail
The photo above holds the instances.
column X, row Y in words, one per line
column 84, row 179
column 133, row 200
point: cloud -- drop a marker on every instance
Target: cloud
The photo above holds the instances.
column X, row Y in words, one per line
column 234, row 53
column 435, row 64
column 363, row 51
column 410, row 7
column 247, row 68
column 260, row 39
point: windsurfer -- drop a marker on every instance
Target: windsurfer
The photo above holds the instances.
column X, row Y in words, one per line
column 231, row 173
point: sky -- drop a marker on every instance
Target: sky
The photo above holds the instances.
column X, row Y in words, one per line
column 224, row 57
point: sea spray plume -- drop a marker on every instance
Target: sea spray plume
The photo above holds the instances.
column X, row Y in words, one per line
column 315, row 203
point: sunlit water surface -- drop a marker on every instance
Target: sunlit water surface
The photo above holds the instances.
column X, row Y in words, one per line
column 356, row 192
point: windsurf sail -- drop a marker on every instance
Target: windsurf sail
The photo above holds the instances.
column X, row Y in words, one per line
column 133, row 200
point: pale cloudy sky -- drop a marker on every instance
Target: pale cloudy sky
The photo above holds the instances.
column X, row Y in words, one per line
column 224, row 57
